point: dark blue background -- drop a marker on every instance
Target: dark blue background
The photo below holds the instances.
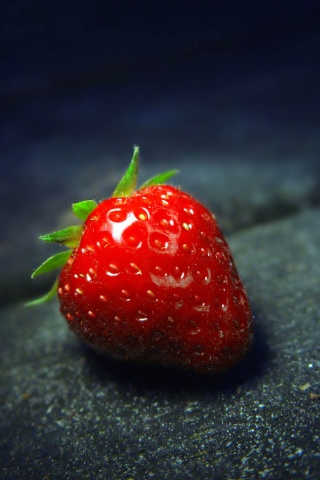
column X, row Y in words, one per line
column 230, row 77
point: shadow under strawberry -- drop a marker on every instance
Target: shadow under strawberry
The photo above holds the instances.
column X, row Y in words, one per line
column 105, row 370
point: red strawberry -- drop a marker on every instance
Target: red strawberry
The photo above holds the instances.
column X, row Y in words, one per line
column 150, row 278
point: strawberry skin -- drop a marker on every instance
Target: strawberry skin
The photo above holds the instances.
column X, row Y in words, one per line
column 153, row 280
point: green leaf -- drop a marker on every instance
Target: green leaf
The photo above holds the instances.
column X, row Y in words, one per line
column 52, row 263
column 82, row 209
column 69, row 236
column 160, row 178
column 128, row 182
column 45, row 298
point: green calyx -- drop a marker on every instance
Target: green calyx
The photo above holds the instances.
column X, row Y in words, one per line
column 128, row 182
column 70, row 236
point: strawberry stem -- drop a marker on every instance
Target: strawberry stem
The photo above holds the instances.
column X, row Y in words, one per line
column 69, row 236
column 45, row 298
column 84, row 208
column 128, row 182
column 52, row 263
column 160, row 178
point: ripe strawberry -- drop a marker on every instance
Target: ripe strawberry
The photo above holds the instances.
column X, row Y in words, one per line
column 150, row 278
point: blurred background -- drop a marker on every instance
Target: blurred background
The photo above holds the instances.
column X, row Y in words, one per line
column 226, row 91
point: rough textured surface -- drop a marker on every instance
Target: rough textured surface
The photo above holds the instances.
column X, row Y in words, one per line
column 67, row 412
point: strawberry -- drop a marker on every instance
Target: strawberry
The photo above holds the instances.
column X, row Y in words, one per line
column 150, row 278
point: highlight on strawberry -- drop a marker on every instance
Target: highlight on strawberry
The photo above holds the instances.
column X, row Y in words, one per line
column 148, row 277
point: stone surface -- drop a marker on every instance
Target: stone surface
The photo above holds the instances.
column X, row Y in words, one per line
column 66, row 412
